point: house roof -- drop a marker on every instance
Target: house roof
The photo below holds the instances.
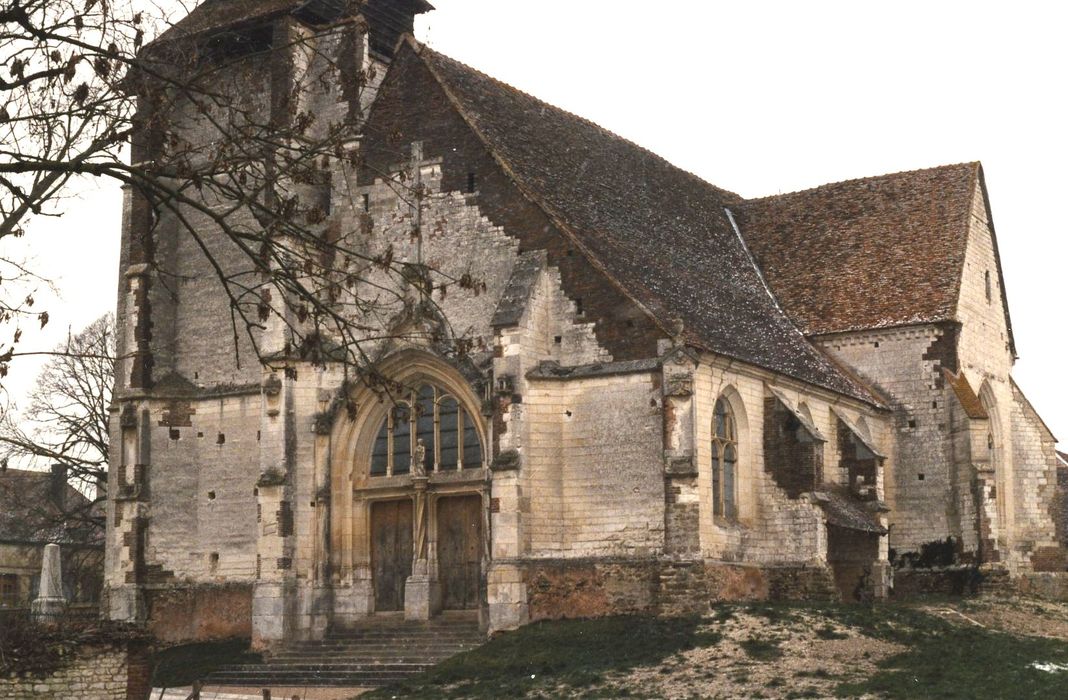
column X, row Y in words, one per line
column 29, row 511
column 1063, row 457
column 216, row 15
column 871, row 253
column 660, row 234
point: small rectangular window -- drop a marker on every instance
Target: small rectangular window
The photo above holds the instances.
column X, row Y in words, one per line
column 989, row 296
column 9, row 590
column 367, row 202
column 472, row 182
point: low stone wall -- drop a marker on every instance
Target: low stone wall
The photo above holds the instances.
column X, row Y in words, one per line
column 593, row 588
column 117, row 672
column 1051, row 586
column 578, row 588
column 178, row 614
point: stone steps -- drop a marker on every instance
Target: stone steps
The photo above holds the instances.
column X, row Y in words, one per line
column 383, row 651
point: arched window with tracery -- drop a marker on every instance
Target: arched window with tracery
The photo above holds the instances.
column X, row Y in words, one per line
column 449, row 433
column 724, row 461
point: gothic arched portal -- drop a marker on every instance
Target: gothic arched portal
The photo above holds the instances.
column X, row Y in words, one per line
column 408, row 497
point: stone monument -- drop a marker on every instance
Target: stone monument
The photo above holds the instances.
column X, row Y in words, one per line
column 50, row 602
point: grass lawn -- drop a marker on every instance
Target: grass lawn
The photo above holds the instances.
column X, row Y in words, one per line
column 769, row 651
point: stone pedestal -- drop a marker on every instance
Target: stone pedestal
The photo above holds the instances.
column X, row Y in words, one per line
column 508, row 609
column 422, row 597
column 50, row 603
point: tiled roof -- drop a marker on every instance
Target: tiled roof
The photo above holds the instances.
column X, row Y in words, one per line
column 28, row 512
column 872, row 253
column 661, row 234
column 1063, row 458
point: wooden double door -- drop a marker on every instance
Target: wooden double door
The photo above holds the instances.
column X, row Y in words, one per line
column 459, row 551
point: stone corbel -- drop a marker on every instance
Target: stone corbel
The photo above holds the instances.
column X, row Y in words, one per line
column 507, row 461
column 680, row 467
column 272, row 477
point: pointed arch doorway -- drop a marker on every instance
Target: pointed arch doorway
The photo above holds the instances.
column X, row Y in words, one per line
column 410, row 512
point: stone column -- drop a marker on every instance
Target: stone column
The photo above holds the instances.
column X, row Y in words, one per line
column 422, row 595
column 50, row 603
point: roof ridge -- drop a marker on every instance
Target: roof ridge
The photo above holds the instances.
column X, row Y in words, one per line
column 870, row 178
column 420, row 46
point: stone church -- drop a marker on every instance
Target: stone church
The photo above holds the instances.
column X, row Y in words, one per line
column 658, row 395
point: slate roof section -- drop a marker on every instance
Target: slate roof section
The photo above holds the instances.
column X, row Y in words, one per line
column 848, row 513
column 659, row 233
column 1063, row 457
column 872, row 253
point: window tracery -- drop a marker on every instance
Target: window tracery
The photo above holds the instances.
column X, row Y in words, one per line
column 434, row 418
column 724, row 461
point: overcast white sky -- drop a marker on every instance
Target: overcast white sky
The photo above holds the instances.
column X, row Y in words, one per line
column 758, row 97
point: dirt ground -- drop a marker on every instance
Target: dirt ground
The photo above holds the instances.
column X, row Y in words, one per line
column 1023, row 616
column 808, row 656
column 804, row 656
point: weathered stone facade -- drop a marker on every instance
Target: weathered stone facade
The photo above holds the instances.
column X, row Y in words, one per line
column 589, row 445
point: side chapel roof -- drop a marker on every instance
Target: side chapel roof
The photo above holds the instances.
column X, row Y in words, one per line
column 659, row 233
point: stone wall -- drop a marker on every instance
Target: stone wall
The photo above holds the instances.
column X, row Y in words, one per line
column 178, row 614
column 775, row 526
column 578, row 588
column 92, row 673
column 906, row 365
column 1035, row 482
column 588, row 491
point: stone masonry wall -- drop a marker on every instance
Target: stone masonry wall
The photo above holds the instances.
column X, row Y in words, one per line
column 772, row 527
column 1035, row 459
column 620, row 326
column 906, row 365
column 93, row 673
column 591, row 492
column 201, row 485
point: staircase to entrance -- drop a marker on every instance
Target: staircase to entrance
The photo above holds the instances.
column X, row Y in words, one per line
column 380, row 651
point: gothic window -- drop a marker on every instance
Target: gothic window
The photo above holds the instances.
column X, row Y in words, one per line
column 724, row 461
column 429, row 415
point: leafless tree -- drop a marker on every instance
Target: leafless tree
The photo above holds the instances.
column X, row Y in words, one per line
column 65, row 425
column 81, row 97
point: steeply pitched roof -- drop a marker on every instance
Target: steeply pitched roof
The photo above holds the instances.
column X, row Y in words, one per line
column 659, row 233
column 872, row 253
